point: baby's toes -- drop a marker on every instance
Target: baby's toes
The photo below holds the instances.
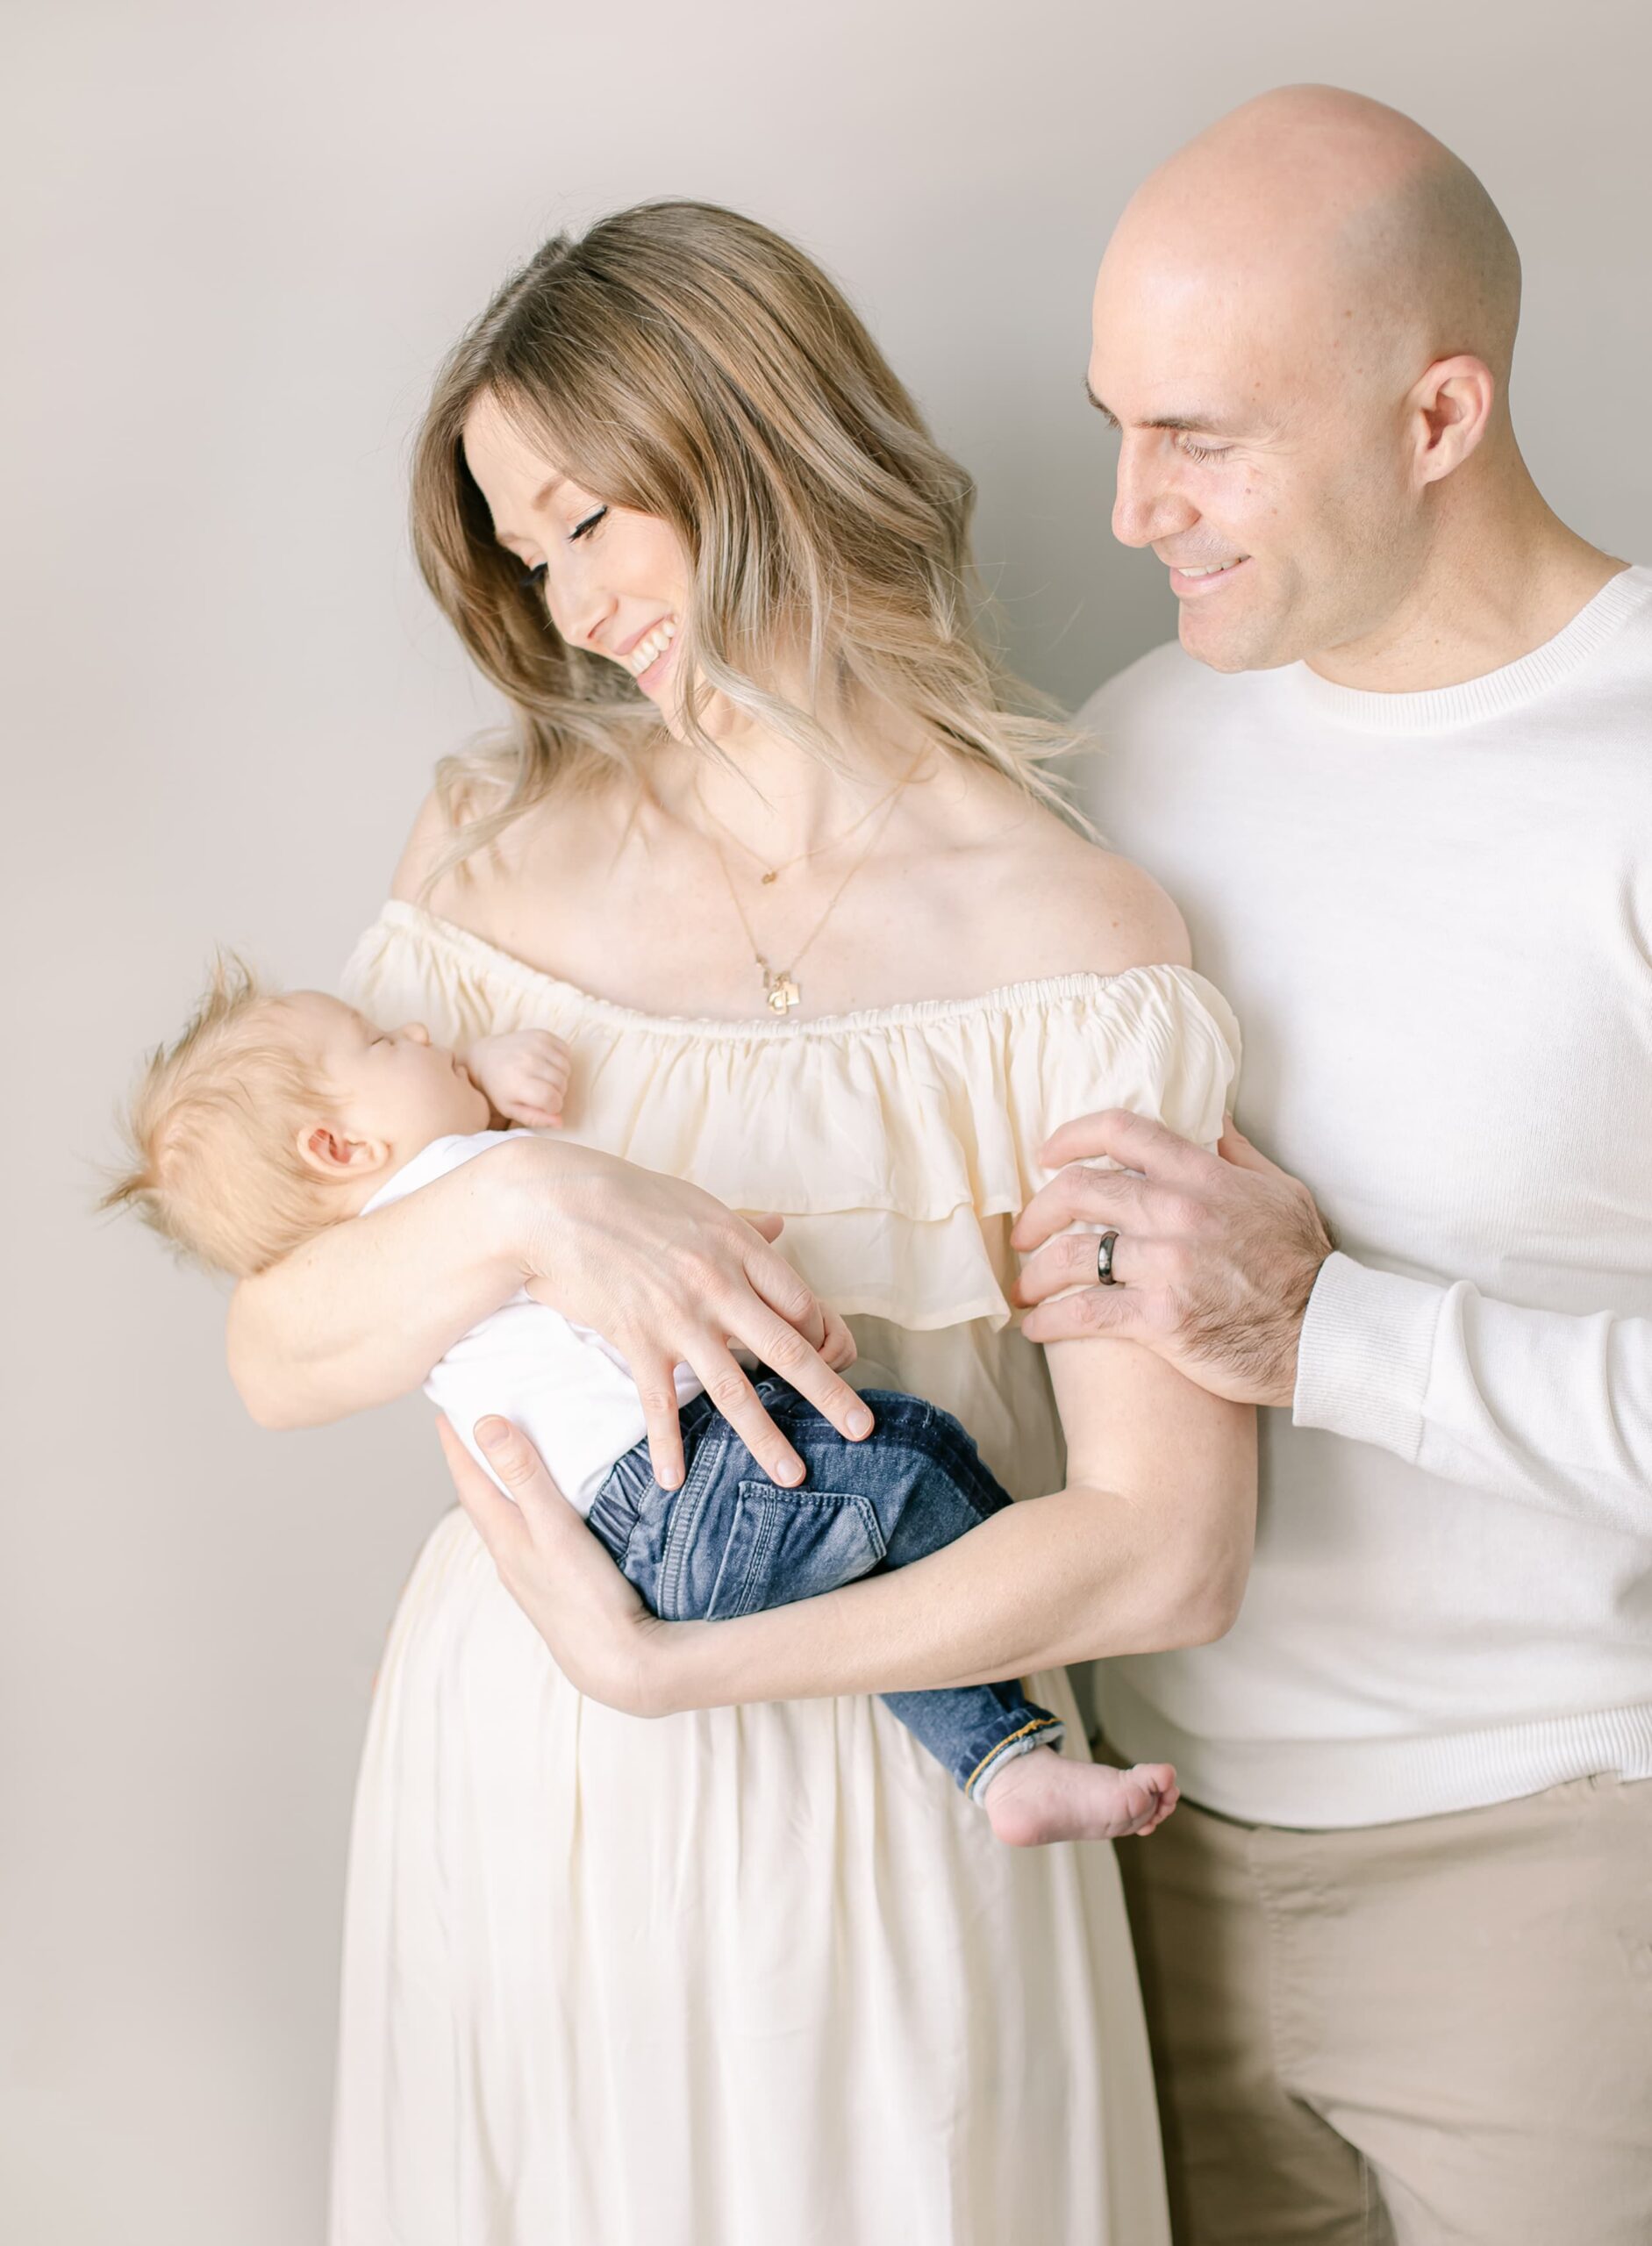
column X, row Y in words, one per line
column 1159, row 1781
column 1143, row 1790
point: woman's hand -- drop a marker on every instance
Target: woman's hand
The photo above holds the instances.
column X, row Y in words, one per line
column 604, row 1639
column 668, row 1276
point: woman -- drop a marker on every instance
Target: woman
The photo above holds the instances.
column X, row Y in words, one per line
column 767, row 849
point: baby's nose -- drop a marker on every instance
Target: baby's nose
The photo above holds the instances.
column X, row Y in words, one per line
column 418, row 1032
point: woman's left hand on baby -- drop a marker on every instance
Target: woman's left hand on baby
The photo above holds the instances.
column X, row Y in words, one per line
column 606, row 1641
column 525, row 1073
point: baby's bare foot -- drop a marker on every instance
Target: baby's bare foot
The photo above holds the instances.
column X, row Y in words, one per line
column 1041, row 1796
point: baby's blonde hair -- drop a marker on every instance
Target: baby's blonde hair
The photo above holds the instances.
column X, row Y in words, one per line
column 212, row 1131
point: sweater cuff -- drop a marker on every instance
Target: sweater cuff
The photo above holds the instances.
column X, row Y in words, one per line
column 1363, row 1361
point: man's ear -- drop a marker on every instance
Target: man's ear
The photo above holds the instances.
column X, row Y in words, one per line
column 1451, row 410
column 326, row 1149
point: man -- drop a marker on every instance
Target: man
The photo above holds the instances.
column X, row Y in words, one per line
column 1396, row 1946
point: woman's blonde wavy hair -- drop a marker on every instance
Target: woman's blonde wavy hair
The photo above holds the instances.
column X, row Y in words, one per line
column 683, row 360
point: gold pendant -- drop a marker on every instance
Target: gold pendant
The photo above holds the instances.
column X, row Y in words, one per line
column 784, row 993
column 774, row 876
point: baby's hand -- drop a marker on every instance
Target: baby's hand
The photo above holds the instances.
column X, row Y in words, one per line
column 523, row 1073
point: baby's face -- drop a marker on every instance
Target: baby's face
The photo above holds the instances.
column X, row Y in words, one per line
column 390, row 1085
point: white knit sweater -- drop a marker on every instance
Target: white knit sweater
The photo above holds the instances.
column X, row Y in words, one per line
column 1433, row 913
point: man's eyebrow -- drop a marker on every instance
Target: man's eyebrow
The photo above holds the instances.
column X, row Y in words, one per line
column 1207, row 425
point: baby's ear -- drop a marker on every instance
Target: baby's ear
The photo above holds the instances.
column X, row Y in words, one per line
column 324, row 1149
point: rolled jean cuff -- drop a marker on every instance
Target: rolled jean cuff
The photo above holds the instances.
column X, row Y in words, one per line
column 1043, row 1731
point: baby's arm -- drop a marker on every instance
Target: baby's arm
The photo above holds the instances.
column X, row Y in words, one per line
column 525, row 1073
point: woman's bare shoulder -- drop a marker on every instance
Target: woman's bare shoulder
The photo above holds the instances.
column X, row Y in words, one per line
column 427, row 843
column 1062, row 904
column 441, row 819
column 1116, row 909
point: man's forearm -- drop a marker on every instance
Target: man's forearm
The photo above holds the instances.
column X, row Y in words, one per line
column 1080, row 1574
column 1553, row 1408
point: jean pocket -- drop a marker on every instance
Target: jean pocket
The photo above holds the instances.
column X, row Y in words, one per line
column 764, row 1546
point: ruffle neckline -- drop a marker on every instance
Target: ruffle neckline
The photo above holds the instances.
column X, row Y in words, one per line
column 897, row 1143
column 417, row 924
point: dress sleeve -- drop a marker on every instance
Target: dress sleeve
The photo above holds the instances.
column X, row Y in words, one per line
column 1159, row 1040
column 905, row 1210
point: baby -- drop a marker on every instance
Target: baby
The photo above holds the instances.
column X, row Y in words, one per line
column 275, row 1115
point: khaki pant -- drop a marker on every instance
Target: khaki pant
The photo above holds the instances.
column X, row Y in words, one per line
column 1405, row 2034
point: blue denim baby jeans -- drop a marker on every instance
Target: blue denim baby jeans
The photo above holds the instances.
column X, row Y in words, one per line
column 730, row 1541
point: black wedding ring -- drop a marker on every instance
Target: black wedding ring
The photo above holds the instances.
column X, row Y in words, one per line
column 1104, row 1260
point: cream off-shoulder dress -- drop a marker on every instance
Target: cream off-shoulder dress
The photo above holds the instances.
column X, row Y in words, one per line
column 758, row 1976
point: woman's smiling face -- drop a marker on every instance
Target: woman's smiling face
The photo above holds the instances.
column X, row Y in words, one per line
column 615, row 580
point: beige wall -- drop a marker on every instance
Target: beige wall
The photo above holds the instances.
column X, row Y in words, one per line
column 242, row 237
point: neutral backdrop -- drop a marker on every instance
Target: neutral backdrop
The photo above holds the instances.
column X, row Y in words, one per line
column 239, row 239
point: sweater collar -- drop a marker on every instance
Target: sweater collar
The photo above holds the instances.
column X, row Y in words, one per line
column 1446, row 709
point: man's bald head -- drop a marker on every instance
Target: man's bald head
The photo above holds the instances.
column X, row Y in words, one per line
column 1345, row 205
column 1267, row 316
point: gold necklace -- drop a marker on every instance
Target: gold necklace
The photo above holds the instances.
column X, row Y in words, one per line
column 771, row 873
column 780, row 989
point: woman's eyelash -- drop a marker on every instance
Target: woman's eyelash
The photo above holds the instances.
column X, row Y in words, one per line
column 534, row 579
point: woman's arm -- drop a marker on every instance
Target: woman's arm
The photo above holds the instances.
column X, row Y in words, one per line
column 659, row 1269
column 362, row 1312
column 1146, row 1545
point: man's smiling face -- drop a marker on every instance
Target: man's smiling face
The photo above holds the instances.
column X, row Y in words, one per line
column 1262, row 451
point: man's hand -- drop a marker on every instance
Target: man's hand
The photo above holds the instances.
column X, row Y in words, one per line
column 525, row 1073
column 1216, row 1256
